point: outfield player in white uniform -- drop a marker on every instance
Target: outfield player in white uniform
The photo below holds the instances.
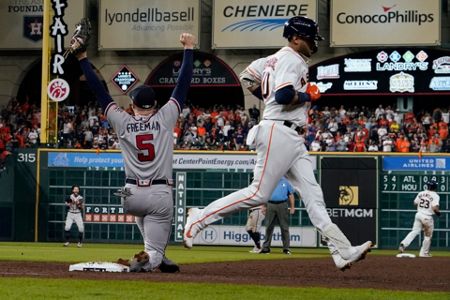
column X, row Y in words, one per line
column 75, row 215
column 279, row 144
column 255, row 218
column 427, row 203
column 146, row 140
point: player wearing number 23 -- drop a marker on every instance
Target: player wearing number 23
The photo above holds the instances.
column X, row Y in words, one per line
column 146, row 140
column 427, row 203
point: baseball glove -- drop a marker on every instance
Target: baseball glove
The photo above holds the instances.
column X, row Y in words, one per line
column 137, row 263
column 249, row 80
column 80, row 38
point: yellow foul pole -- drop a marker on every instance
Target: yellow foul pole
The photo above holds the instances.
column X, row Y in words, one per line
column 46, row 50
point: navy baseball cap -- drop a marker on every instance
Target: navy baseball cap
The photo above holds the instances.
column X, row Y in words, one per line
column 143, row 97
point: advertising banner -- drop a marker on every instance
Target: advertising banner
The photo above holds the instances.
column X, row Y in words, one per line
column 415, row 163
column 237, row 236
column 208, row 71
column 256, row 23
column 350, row 189
column 141, row 24
column 21, row 22
column 399, row 70
column 389, row 22
column 181, row 161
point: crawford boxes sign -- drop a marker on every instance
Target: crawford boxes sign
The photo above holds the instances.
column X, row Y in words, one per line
column 388, row 22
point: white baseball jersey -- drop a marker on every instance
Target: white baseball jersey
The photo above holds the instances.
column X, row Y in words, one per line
column 284, row 68
column 73, row 206
column 146, row 142
column 425, row 202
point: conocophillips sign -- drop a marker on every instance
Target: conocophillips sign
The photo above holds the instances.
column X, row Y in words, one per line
column 255, row 24
column 389, row 22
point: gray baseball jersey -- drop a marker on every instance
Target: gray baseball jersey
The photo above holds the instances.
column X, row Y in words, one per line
column 73, row 205
column 146, row 142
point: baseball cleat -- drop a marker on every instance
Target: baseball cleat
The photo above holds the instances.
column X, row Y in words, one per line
column 66, row 244
column 79, row 245
column 190, row 229
column 425, row 255
column 360, row 252
column 401, row 248
column 341, row 264
column 255, row 250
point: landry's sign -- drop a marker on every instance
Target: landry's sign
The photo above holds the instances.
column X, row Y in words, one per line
column 388, row 22
column 401, row 70
column 141, row 24
column 255, row 23
column 209, row 71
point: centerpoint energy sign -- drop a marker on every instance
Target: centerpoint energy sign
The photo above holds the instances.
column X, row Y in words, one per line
column 389, row 22
column 255, row 24
column 141, row 24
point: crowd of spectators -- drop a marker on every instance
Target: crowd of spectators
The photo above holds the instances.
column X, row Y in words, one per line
column 356, row 129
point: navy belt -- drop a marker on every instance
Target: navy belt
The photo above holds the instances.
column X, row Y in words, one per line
column 148, row 182
column 277, row 202
column 300, row 130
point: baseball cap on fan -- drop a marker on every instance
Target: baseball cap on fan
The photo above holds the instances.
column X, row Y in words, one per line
column 143, row 97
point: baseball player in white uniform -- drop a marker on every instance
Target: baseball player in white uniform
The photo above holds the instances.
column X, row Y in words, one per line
column 75, row 205
column 146, row 140
column 255, row 218
column 427, row 203
column 279, row 144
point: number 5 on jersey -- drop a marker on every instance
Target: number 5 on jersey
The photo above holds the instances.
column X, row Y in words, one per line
column 143, row 143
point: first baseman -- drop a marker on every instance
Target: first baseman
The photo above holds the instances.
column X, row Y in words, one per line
column 146, row 140
column 75, row 205
column 281, row 80
column 427, row 203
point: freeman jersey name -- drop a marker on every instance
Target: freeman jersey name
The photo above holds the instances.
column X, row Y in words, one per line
column 136, row 127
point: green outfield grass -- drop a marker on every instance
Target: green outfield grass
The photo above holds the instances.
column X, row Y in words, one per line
column 30, row 288
column 39, row 288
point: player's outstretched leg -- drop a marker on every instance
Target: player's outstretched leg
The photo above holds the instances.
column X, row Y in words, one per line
column 192, row 227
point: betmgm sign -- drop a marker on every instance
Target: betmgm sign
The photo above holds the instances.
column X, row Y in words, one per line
column 350, row 191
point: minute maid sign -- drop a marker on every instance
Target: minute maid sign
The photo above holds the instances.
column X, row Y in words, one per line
column 255, row 24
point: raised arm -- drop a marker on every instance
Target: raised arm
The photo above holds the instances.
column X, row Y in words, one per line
column 185, row 75
column 94, row 83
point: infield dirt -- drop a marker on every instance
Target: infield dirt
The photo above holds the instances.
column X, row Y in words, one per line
column 379, row 272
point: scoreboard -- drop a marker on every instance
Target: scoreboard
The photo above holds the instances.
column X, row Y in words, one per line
column 412, row 182
column 397, row 191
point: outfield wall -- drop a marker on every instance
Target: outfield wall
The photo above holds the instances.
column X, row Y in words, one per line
column 368, row 196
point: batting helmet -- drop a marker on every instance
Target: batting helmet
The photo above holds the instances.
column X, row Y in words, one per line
column 302, row 26
column 432, row 185
column 143, row 96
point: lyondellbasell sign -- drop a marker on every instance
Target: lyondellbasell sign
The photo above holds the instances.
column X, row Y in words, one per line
column 124, row 79
column 401, row 70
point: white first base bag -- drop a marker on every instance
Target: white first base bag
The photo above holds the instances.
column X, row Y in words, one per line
column 99, row 267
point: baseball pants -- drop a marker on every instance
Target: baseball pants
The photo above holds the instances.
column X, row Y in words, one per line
column 76, row 218
column 425, row 223
column 153, row 208
column 277, row 213
column 280, row 151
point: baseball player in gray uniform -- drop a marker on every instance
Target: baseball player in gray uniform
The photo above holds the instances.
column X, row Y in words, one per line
column 75, row 215
column 280, row 145
column 146, row 140
column 255, row 218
